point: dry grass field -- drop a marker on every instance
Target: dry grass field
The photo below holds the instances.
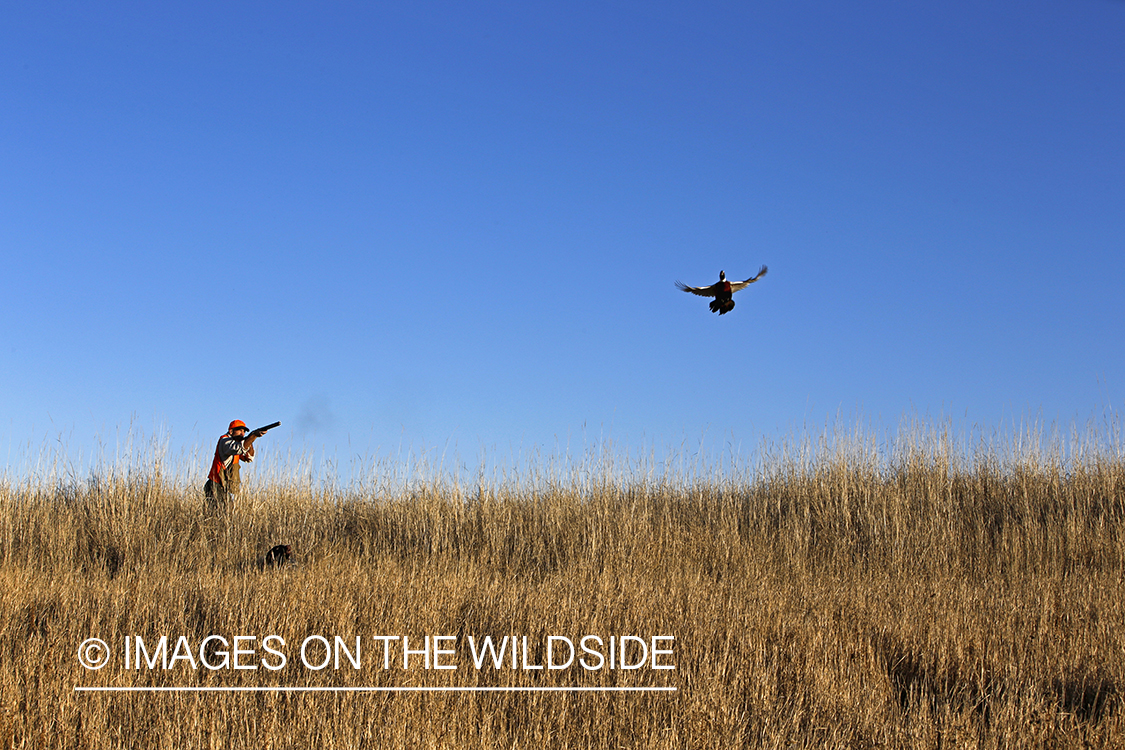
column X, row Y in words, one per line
column 838, row 593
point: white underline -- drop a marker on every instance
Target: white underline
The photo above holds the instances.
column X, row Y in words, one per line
column 284, row 689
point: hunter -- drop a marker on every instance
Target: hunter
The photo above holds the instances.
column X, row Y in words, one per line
column 233, row 447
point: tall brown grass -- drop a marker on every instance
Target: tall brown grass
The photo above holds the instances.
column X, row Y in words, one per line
column 838, row 592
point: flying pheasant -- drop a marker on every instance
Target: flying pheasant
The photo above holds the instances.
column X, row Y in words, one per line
column 722, row 291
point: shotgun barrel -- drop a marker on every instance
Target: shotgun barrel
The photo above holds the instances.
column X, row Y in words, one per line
column 262, row 430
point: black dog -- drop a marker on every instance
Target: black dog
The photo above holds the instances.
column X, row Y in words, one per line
column 278, row 556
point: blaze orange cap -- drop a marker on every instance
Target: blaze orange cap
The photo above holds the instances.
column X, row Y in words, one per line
column 237, row 423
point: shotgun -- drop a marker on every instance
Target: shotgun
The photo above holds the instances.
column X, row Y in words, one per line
column 264, row 430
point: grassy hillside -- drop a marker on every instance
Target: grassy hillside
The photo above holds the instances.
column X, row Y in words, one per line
column 839, row 593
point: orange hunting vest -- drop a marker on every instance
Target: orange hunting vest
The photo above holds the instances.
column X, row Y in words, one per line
column 222, row 470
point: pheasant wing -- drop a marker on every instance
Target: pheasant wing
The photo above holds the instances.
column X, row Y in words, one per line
column 702, row 291
column 743, row 284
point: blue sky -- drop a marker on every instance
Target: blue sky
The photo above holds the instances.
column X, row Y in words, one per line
column 458, row 225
